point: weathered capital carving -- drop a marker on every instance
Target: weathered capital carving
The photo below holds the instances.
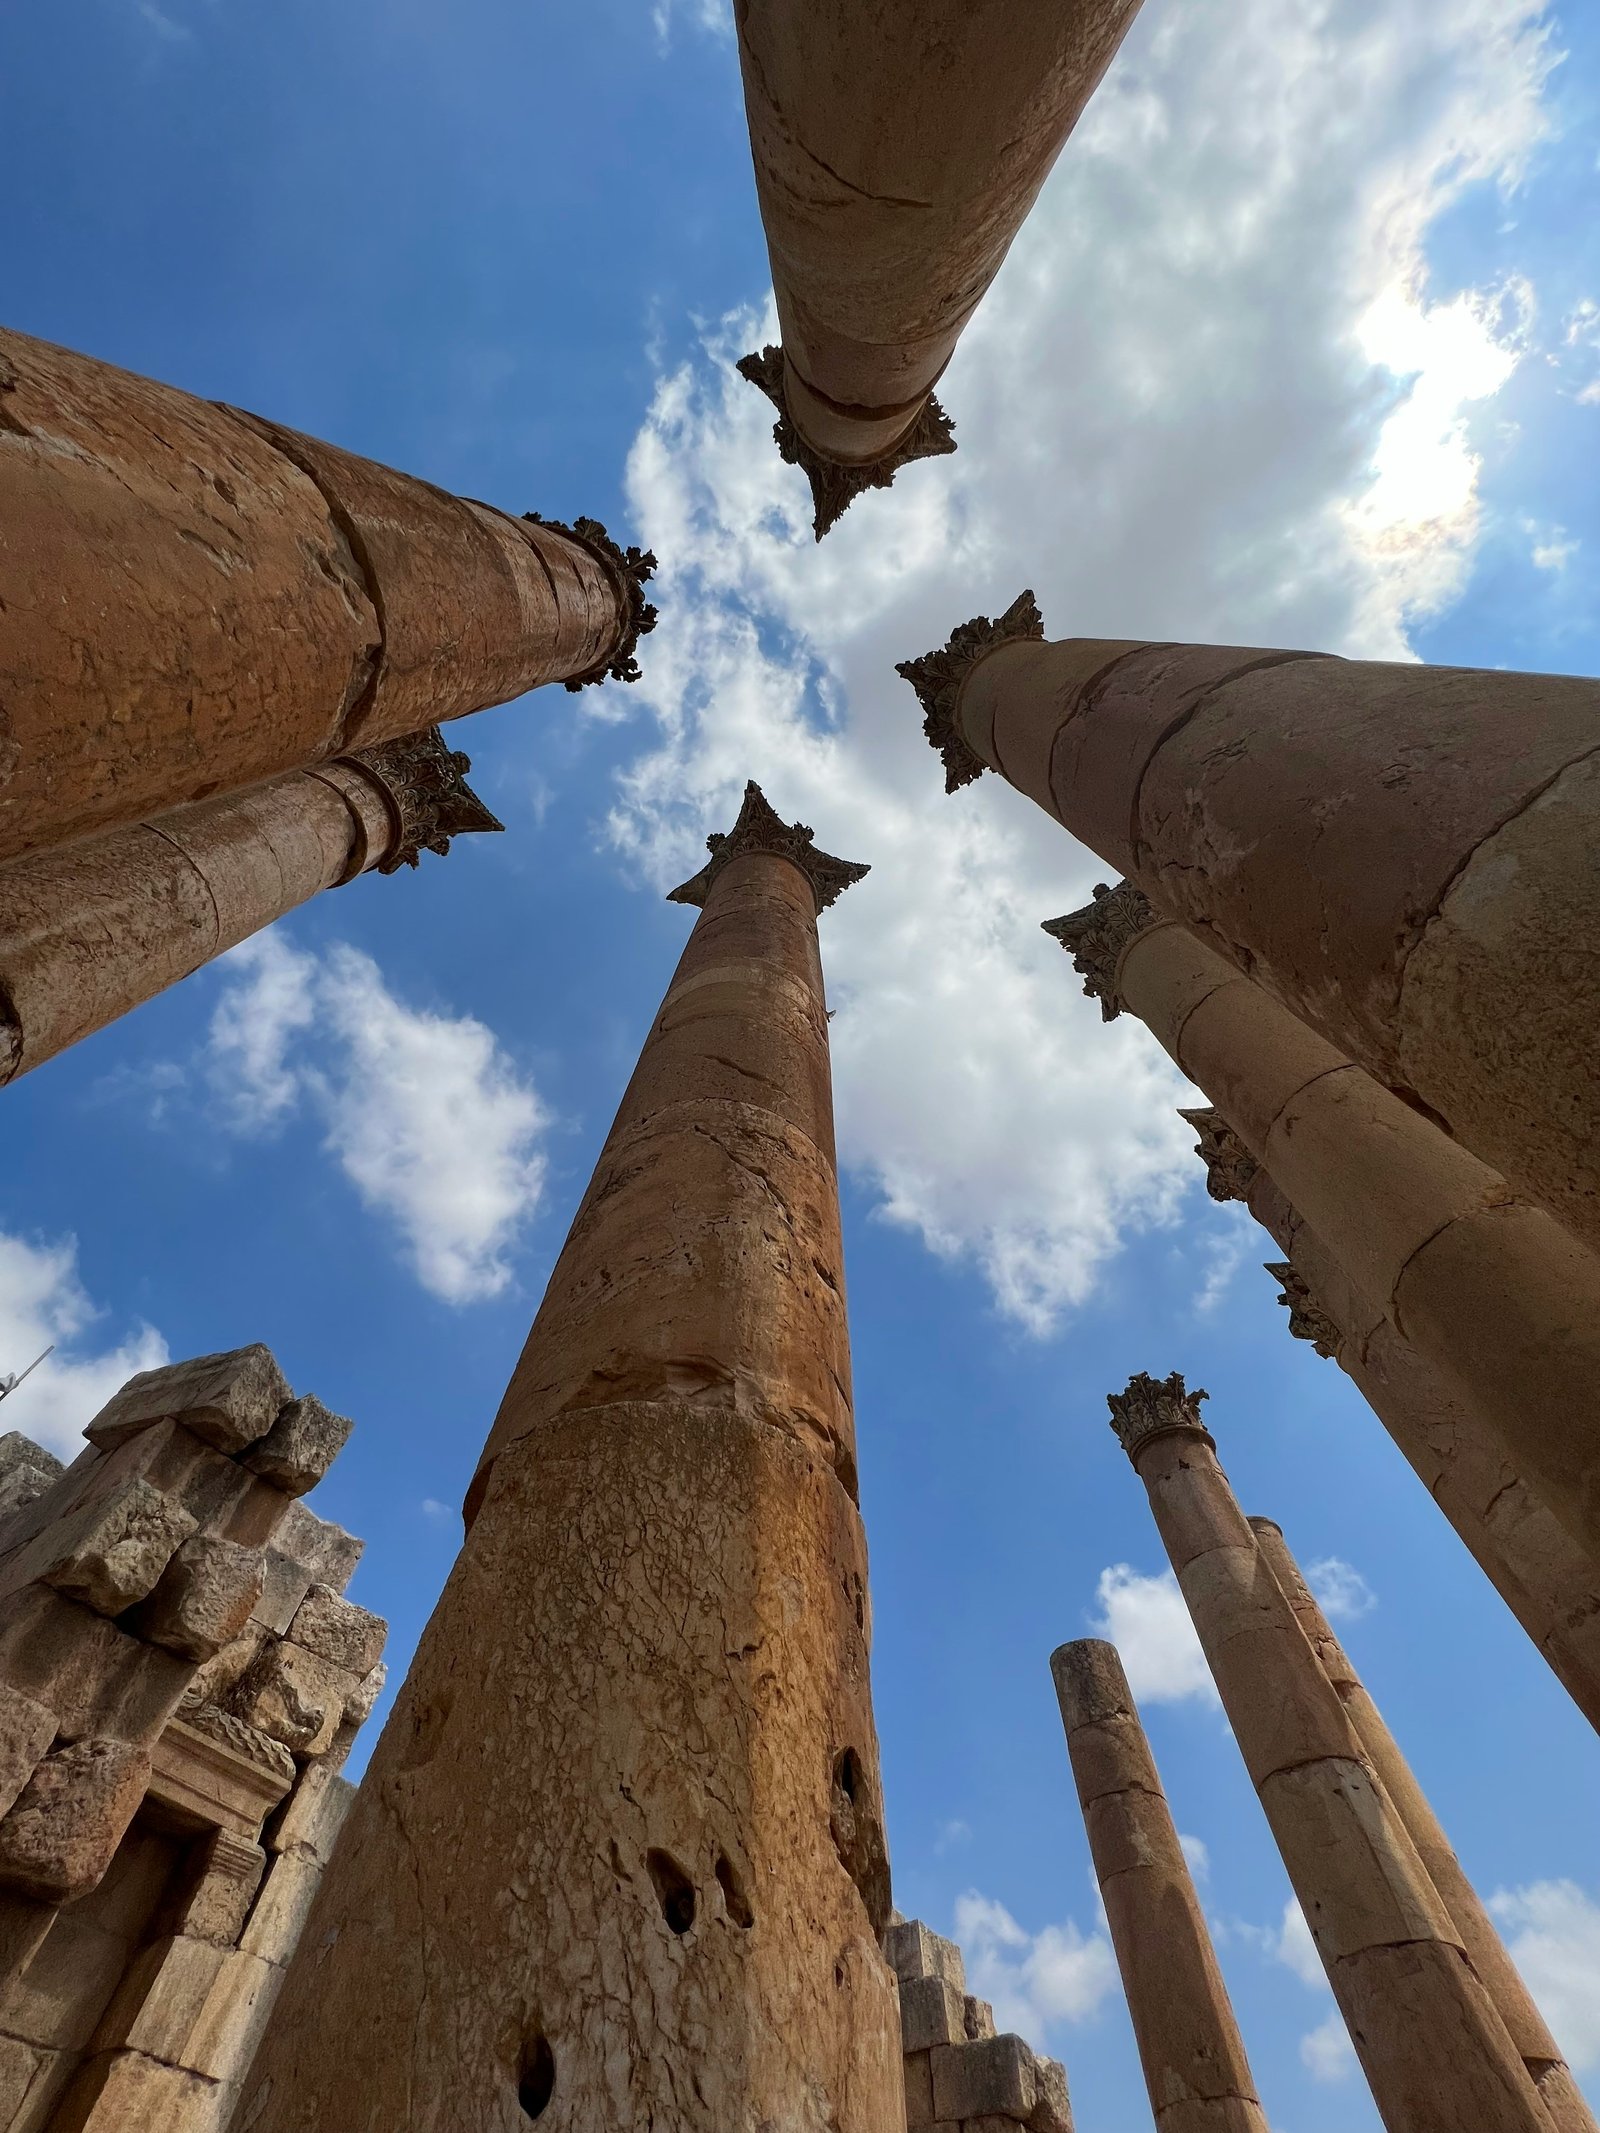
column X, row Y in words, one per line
column 425, row 789
column 1096, row 936
column 836, row 483
column 1230, row 1167
column 1155, row 1407
column 758, row 829
column 1307, row 1319
column 937, row 678
column 631, row 567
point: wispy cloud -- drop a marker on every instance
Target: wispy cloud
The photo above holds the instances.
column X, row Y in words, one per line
column 1554, row 1929
column 1341, row 1591
column 1034, row 1981
column 43, row 1301
column 1146, row 1619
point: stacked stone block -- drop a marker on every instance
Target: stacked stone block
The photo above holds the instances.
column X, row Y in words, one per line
column 960, row 2076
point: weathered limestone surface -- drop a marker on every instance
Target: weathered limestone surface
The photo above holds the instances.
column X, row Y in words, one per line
column 1393, row 1955
column 898, row 148
column 960, row 2077
column 620, row 1850
column 91, row 929
column 196, row 599
column 1485, row 1949
column 1401, row 854
column 1194, row 2060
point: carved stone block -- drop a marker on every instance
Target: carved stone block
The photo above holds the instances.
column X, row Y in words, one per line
column 300, row 1446
column 915, row 1950
column 335, row 1628
column 281, row 1908
column 126, row 2092
column 111, row 1553
column 919, row 2091
column 313, row 1814
column 62, row 1833
column 27, row 1728
column 997, row 2077
column 96, row 1678
column 219, row 1902
column 295, row 1697
column 230, row 1399
column 930, row 2013
column 326, row 1550
column 205, row 1598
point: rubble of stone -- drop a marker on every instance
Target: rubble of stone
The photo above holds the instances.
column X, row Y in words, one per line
column 960, row 2076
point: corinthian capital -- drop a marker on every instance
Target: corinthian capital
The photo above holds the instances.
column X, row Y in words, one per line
column 1155, row 1407
column 937, row 678
column 1096, row 936
column 631, row 568
column 1307, row 1319
column 1230, row 1167
column 759, row 829
column 425, row 787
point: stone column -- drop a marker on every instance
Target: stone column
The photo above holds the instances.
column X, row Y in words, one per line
column 1494, row 1295
column 897, row 149
column 1527, row 2027
column 1401, row 854
column 197, row 599
column 91, row 929
column 1541, row 1572
column 620, row 1850
column 1193, row 2056
column 1433, row 2045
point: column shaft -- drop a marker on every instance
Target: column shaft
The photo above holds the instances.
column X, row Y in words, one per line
column 1527, row 2027
column 1434, row 2048
column 620, row 1850
column 196, row 599
column 897, row 148
column 1193, row 2056
column 1402, row 854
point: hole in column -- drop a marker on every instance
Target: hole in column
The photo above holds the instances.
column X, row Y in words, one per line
column 858, row 1836
column 847, row 1773
column 537, row 2081
column 734, row 1900
column 674, row 1890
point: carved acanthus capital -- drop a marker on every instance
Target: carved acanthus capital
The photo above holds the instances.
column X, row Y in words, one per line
column 425, row 789
column 836, row 483
column 937, row 678
column 631, row 568
column 1096, row 936
column 1155, row 1407
column 758, row 829
column 1307, row 1319
column 1230, row 1167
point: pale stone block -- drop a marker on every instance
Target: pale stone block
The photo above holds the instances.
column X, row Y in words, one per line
column 124, row 2092
column 977, row 2019
column 335, row 1628
column 281, row 1908
column 931, row 2012
column 62, row 1833
column 205, row 1597
column 996, row 2077
column 230, row 1399
column 284, row 1585
column 364, row 1700
column 240, row 2004
column 159, row 2000
column 26, row 1471
column 219, row 1902
column 111, row 1553
column 300, row 1446
column 19, row 2064
column 1052, row 2112
column 915, row 1950
column 27, row 1727
column 295, row 1697
column 95, row 1677
column 326, row 1550
column 919, row 2091
column 313, row 1814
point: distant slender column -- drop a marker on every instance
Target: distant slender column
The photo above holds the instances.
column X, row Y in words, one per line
column 897, row 149
column 620, row 1850
column 1402, row 854
column 91, row 929
column 1495, row 1295
column 1528, row 2029
column 196, row 599
column 1544, row 1576
column 1193, row 2056
column 1433, row 2046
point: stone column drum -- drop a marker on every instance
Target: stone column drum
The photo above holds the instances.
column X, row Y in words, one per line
column 1541, row 1572
column 1193, row 2056
column 91, row 929
column 197, row 599
column 1528, row 2029
column 1402, row 854
column 619, row 1859
column 1432, row 2043
column 1495, row 1295
column 898, row 146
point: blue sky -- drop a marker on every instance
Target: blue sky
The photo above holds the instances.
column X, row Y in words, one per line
column 1301, row 346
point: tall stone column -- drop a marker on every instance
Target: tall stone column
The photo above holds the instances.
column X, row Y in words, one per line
column 1527, row 2027
column 91, row 929
column 1190, row 2048
column 1434, row 2047
column 197, row 599
column 619, row 1855
column 1401, row 854
column 897, row 150
column 1541, row 1572
column 1496, row 1296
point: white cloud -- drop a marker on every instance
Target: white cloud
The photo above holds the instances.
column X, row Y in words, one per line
column 1223, row 1248
column 1198, row 1854
column 438, row 1513
column 951, row 1834
column 713, row 16
column 1146, row 1619
column 1212, row 396
column 1554, row 1929
column 1553, row 548
column 1296, row 1950
column 1581, row 333
column 1341, row 1591
column 42, row 1301
column 1034, row 1981
column 1326, row 2051
column 427, row 1116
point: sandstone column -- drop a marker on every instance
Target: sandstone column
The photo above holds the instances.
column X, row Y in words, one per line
column 1433, row 2046
column 91, row 929
column 1493, row 1294
column 1193, row 2056
column 1402, row 854
column 620, row 1851
column 1541, row 1572
column 1527, row 2027
column 196, row 599
column 897, row 149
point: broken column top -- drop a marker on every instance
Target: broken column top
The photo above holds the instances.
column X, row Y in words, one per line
column 760, row 829
column 1155, row 1407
